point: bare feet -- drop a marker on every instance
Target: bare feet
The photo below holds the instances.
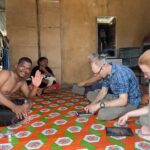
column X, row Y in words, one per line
column 146, row 137
column 145, row 130
column 26, row 120
column 40, row 92
column 144, row 133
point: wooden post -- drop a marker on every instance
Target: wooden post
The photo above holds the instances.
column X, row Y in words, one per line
column 38, row 28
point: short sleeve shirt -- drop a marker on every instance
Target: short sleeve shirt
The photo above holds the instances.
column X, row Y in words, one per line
column 122, row 80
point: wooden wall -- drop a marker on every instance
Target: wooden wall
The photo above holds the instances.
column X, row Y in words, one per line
column 68, row 30
column 26, row 34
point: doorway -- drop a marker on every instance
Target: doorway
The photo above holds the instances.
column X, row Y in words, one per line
column 106, row 29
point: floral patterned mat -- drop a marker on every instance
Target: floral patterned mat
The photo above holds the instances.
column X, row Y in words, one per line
column 54, row 125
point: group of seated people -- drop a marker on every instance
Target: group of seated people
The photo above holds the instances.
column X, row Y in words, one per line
column 114, row 92
column 121, row 102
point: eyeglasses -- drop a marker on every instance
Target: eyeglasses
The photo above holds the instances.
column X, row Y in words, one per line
column 100, row 69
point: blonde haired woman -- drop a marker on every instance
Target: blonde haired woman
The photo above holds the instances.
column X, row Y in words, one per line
column 144, row 113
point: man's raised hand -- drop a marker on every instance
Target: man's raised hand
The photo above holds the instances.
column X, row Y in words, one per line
column 37, row 79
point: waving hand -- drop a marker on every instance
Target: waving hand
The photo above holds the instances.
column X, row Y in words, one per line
column 37, row 79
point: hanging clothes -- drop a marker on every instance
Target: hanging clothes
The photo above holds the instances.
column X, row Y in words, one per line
column 5, row 59
column 5, row 53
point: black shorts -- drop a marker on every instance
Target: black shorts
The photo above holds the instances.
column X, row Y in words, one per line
column 7, row 116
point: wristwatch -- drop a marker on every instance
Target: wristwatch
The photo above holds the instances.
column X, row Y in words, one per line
column 102, row 105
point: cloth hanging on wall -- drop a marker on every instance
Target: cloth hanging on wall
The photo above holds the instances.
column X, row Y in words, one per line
column 5, row 59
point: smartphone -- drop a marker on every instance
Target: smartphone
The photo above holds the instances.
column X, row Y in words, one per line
column 83, row 113
column 118, row 131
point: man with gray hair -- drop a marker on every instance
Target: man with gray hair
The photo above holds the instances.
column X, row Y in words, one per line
column 123, row 84
column 93, row 83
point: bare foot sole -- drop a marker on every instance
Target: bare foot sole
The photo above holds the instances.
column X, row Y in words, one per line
column 25, row 121
column 145, row 130
column 146, row 137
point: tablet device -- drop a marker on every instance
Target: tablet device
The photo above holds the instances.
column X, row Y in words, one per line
column 118, row 131
column 83, row 113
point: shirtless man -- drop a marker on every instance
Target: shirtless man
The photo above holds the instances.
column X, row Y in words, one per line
column 11, row 82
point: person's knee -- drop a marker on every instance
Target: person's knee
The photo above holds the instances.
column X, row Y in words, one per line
column 88, row 95
column 103, row 114
column 144, row 120
column 91, row 96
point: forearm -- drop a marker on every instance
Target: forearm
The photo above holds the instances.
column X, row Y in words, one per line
column 33, row 92
column 47, row 73
column 115, row 103
column 138, row 112
column 89, row 81
column 101, row 95
column 122, row 100
column 45, row 81
column 85, row 83
column 92, row 80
